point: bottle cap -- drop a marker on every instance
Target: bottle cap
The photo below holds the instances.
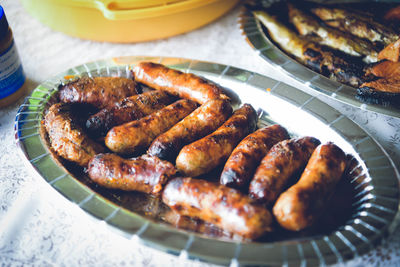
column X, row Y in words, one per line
column 3, row 23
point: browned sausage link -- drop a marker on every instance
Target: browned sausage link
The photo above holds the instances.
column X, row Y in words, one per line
column 98, row 91
column 183, row 85
column 196, row 225
column 225, row 207
column 207, row 153
column 283, row 160
column 145, row 174
column 134, row 136
column 299, row 206
column 198, row 124
column 67, row 139
column 243, row 161
column 129, row 109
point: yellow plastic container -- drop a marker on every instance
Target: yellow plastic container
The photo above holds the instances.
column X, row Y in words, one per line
column 126, row 21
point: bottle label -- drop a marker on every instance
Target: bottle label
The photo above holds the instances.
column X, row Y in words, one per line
column 11, row 74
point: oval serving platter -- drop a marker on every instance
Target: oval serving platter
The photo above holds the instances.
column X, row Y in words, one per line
column 373, row 177
column 256, row 37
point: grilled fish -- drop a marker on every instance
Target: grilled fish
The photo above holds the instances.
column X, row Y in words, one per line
column 360, row 26
column 310, row 53
column 288, row 40
column 307, row 25
column 337, row 68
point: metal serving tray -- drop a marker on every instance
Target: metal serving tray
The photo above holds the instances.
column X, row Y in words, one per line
column 373, row 177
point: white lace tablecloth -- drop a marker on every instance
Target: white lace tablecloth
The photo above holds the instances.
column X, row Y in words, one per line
column 52, row 232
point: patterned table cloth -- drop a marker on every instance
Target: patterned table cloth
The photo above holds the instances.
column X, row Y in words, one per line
column 49, row 230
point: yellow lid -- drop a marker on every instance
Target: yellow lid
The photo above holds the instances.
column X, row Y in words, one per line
column 137, row 9
column 126, row 20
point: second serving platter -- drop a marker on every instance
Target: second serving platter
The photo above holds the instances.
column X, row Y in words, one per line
column 259, row 40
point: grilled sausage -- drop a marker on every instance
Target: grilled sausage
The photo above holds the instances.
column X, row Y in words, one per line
column 243, row 161
column 198, row 124
column 129, row 109
column 183, row 85
column 145, row 174
column 67, row 138
column 98, row 91
column 207, row 153
column 196, row 225
column 278, row 166
column 225, row 207
column 299, row 206
column 134, row 136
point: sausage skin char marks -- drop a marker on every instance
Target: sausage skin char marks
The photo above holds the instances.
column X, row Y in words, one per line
column 197, row 225
column 99, row 92
column 183, row 85
column 300, row 205
column 129, row 109
column 67, row 138
column 245, row 158
column 207, row 153
column 145, row 174
column 204, row 120
column 285, row 159
column 200, row 140
column 217, row 204
column 135, row 136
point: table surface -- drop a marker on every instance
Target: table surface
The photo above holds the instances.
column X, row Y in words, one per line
column 54, row 232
